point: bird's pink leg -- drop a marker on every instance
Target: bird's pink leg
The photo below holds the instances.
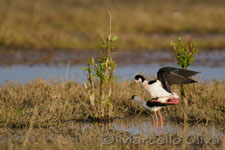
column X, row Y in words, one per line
column 156, row 123
column 161, row 120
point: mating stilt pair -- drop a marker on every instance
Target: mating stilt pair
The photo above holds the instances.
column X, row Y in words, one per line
column 160, row 89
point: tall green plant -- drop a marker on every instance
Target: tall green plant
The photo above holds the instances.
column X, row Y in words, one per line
column 184, row 56
column 184, row 52
column 102, row 69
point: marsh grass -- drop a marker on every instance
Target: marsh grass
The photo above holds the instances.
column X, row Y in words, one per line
column 77, row 24
column 50, row 114
column 58, row 102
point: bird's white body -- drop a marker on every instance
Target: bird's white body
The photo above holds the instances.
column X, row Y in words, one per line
column 156, row 90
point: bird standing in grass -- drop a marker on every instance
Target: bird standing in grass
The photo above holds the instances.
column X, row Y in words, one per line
column 155, row 105
column 160, row 88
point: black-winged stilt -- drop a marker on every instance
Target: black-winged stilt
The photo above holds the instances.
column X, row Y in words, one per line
column 166, row 77
column 155, row 105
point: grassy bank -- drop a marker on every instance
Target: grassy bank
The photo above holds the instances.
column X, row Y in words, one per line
column 49, row 24
column 49, row 115
column 52, row 103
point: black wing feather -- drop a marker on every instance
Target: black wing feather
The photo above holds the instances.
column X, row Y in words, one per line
column 156, row 104
column 169, row 76
column 183, row 72
column 165, row 84
column 153, row 104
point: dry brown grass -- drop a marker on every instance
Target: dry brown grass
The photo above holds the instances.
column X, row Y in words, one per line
column 48, row 24
column 49, row 114
column 57, row 102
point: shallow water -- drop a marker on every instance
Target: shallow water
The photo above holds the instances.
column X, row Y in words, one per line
column 22, row 67
column 147, row 126
column 123, row 129
column 136, row 126
column 21, row 73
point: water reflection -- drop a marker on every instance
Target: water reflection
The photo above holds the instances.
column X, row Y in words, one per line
column 129, row 132
column 147, row 126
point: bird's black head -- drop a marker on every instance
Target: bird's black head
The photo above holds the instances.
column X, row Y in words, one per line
column 132, row 97
column 139, row 78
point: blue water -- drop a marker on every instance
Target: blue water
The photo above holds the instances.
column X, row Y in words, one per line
column 20, row 73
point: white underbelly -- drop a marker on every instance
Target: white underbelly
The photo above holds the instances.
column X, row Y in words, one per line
column 158, row 93
column 156, row 90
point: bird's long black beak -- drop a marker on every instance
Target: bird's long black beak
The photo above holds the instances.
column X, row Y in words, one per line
column 132, row 83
